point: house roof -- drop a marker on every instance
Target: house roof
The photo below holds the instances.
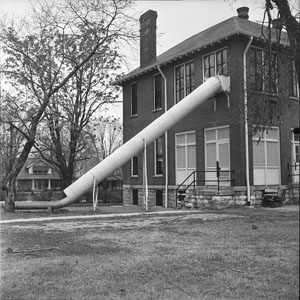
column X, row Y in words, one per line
column 228, row 28
column 33, row 161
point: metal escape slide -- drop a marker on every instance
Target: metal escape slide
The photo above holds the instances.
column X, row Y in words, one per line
column 122, row 155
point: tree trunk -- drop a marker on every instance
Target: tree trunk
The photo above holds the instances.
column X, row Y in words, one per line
column 12, row 177
column 10, row 196
column 293, row 31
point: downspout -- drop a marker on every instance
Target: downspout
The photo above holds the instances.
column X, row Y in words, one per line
column 166, row 140
column 246, row 121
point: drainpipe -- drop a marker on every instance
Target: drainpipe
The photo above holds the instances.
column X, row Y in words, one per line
column 166, row 140
column 246, row 121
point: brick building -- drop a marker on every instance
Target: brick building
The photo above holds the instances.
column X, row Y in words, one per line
column 218, row 133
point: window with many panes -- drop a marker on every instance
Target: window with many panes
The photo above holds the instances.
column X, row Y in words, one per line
column 158, row 86
column 263, row 70
column 295, row 162
column 185, row 147
column 217, row 149
column 36, row 169
column 184, row 80
column 294, row 87
column 134, row 166
column 40, row 184
column 215, row 63
column 158, row 155
column 134, row 99
column 266, row 157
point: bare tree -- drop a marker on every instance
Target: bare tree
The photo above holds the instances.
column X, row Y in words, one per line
column 70, row 112
column 43, row 55
column 289, row 22
column 275, row 67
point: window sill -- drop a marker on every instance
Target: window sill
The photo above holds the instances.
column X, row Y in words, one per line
column 133, row 116
column 158, row 175
column 134, row 176
column 294, row 98
column 157, row 110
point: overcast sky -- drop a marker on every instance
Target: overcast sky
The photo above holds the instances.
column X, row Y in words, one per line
column 177, row 20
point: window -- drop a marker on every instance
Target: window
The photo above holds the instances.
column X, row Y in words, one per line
column 134, row 166
column 215, row 63
column 134, row 99
column 135, row 197
column 40, row 184
column 263, row 71
column 217, row 148
column 158, row 154
column 295, row 163
column 55, row 184
column 40, row 169
column 185, row 155
column 184, row 80
column 294, row 88
column 159, row 197
column 158, row 85
column 266, row 157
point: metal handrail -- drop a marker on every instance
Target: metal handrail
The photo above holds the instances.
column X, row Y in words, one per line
column 194, row 181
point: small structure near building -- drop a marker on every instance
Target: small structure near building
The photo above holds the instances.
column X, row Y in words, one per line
column 38, row 180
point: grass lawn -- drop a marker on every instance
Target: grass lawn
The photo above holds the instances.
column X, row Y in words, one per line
column 238, row 254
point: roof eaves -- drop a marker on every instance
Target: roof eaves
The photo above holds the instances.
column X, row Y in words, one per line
column 258, row 35
column 138, row 72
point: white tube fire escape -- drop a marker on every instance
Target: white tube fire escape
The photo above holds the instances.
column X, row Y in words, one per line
column 135, row 145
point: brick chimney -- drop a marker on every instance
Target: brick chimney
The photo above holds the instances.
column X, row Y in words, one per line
column 147, row 37
column 243, row 12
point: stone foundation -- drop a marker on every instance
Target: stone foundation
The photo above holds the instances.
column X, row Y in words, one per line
column 204, row 197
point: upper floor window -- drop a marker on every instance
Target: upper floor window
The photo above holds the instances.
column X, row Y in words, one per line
column 215, row 63
column 40, row 169
column 158, row 86
column 184, row 80
column 294, row 87
column 134, row 99
column 263, row 70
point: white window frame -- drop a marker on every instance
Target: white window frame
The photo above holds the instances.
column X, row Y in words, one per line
column 131, row 103
column 215, row 61
column 263, row 58
column 184, row 82
column 212, row 175
column 132, row 165
column 156, row 174
column 295, row 165
column 186, row 144
column 162, row 92
column 294, row 80
column 263, row 138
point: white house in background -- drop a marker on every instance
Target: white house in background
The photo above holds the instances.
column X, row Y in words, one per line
column 38, row 175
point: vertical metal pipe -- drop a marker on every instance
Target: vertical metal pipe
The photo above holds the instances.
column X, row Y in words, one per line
column 246, row 119
column 166, row 140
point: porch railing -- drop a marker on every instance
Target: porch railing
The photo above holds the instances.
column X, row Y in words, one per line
column 193, row 182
